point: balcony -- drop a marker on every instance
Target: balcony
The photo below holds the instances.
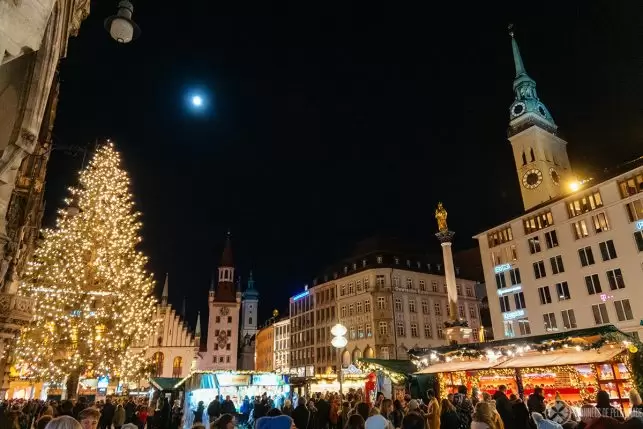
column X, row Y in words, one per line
column 15, row 311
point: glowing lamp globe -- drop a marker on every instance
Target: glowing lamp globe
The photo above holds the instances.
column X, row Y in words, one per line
column 120, row 26
column 338, row 330
column 339, row 342
column 197, row 101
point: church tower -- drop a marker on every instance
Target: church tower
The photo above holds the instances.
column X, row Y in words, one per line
column 223, row 321
column 540, row 155
column 249, row 309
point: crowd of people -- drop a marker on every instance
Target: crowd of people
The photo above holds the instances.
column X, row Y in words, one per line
column 455, row 411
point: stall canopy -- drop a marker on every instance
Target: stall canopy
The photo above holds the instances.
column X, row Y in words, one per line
column 164, row 383
column 396, row 370
column 470, row 365
column 567, row 357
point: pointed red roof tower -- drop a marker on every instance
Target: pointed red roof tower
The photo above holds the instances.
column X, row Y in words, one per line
column 225, row 289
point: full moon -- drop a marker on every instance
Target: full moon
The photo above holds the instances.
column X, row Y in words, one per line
column 197, row 100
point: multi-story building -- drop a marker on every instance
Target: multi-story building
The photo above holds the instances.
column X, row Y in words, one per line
column 325, row 303
column 281, row 360
column 265, row 347
column 302, row 334
column 574, row 258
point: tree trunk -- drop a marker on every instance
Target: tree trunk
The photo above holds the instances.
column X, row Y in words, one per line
column 72, row 384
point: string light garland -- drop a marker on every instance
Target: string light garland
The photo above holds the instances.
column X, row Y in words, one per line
column 93, row 296
column 396, row 377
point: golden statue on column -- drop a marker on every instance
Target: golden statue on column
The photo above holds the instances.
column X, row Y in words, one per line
column 441, row 216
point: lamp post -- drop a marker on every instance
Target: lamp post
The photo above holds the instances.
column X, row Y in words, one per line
column 121, row 26
column 339, row 341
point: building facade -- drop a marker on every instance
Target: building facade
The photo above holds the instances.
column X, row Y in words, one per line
column 265, row 345
column 247, row 335
column 302, row 334
column 223, row 321
column 171, row 347
column 33, row 39
column 325, row 303
column 574, row 258
column 281, row 360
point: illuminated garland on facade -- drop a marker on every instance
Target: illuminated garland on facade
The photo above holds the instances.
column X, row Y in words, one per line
column 93, row 297
column 396, row 377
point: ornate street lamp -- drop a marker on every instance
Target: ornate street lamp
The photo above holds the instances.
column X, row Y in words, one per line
column 339, row 341
column 121, row 26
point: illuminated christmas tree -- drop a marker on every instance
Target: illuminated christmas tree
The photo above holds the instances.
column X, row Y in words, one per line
column 93, row 297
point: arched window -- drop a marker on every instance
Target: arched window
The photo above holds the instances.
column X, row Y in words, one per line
column 531, row 154
column 177, row 367
column 250, row 320
column 369, row 353
column 346, row 358
column 357, row 354
column 524, row 159
column 158, row 363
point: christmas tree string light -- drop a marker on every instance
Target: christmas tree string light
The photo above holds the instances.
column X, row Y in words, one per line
column 92, row 296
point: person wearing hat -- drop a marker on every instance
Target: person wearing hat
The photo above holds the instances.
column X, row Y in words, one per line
column 276, row 422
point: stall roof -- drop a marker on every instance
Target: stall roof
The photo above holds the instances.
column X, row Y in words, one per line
column 467, row 365
column 164, row 383
column 568, row 357
column 393, row 365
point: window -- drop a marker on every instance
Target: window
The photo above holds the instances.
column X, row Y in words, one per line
column 383, row 328
column 557, row 264
column 539, row 269
column 351, row 309
column 458, row 288
column 523, row 327
column 358, row 283
column 158, row 359
column 501, row 281
column 414, row 330
column 519, row 299
column 227, row 346
column 550, row 322
column 366, row 283
column 608, row 251
column 396, row 281
column 360, row 331
column 412, row 308
column 504, row 304
column 569, row 319
column 600, row 314
column 562, row 289
column 634, row 210
column 514, row 275
column 369, row 330
column 461, row 311
column 623, row 310
column 615, row 279
column 469, row 290
column 428, row 330
column 584, row 204
column 351, row 288
column 631, row 186
column 343, row 311
column 230, row 319
column 538, row 222
column 379, row 280
column 534, row 245
column 638, row 238
column 593, row 284
column 352, row 332
column 440, row 332
column 359, row 307
column 586, row 256
column 545, row 295
column 400, row 329
column 217, row 319
column 381, row 303
column 436, row 309
column 551, row 239
column 580, row 229
column 509, row 329
column 380, row 259
column 600, row 223
column 425, row 307
column 472, row 312
column 409, row 283
column 342, row 290
column 227, row 359
column 422, row 285
column 367, row 306
column 434, row 286
column 398, row 304
column 499, row 237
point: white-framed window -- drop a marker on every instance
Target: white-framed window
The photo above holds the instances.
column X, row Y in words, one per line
column 367, row 306
column 383, row 328
column 428, row 330
column 551, row 239
column 562, row 290
column 473, row 313
column 509, row 329
column 400, row 329
column 381, row 303
column 343, row 311
column 351, row 330
column 440, row 332
column 634, row 210
column 600, row 314
column 534, row 244
column 409, row 283
column 615, row 279
column 360, row 331
column 593, row 284
column 469, row 290
column 434, row 286
column 422, row 285
column 545, row 295
column 586, row 256
column 412, row 307
column 557, row 266
column 366, row 283
column 523, row 326
column 623, row 310
column 608, row 251
column 351, row 309
column 504, row 304
column 461, row 311
column 342, row 290
column 514, row 276
column 600, row 222
column 369, row 330
column 501, row 280
column 396, row 281
column 425, row 307
column 579, row 229
column 398, row 304
column 380, row 259
column 351, row 288
column 638, row 239
column 458, row 288
column 569, row 319
column 437, row 309
column 519, row 299
column 539, row 269
column 549, row 320
column 359, row 285
column 414, row 330
column 379, row 280
column 359, row 307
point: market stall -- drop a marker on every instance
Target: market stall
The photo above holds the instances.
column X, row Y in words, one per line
column 353, row 379
column 575, row 365
column 392, row 376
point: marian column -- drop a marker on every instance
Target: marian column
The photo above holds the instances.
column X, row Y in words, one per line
column 457, row 329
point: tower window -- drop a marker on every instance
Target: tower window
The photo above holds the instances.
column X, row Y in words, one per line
column 531, row 154
column 250, row 320
column 524, row 159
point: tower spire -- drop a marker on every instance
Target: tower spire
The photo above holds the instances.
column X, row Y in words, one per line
column 183, row 306
column 164, row 295
column 226, row 257
column 197, row 330
column 520, row 67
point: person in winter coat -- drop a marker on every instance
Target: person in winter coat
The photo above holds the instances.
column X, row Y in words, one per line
column 543, row 423
column 301, row 415
column 504, row 408
column 520, row 411
column 198, row 413
column 449, row 418
column 107, row 415
column 214, row 409
column 434, row 410
column 323, row 413
column 119, row 417
column 397, row 414
column 484, row 417
column 536, row 401
column 464, row 407
column 605, row 408
column 287, row 408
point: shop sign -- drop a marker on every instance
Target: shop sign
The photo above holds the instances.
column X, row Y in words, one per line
column 501, row 268
column 639, row 225
column 233, row 379
column 513, row 314
column 103, row 382
column 506, row 290
column 267, row 379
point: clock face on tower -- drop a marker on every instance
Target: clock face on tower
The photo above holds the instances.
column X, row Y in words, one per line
column 532, row 178
column 541, row 110
column 224, row 311
column 518, row 109
column 554, row 176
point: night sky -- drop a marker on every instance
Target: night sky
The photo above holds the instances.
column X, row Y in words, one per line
column 330, row 123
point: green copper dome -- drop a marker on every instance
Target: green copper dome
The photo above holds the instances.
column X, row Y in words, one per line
column 251, row 292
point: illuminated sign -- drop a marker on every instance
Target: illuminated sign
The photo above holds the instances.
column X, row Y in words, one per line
column 639, row 225
column 506, row 290
column 103, row 382
column 233, row 379
column 301, row 295
column 513, row 314
column 501, row 268
column 267, row 380
column 605, row 297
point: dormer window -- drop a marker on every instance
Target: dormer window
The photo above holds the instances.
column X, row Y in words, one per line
column 397, row 260
column 380, row 259
column 354, row 265
column 363, row 262
column 408, row 263
column 345, row 269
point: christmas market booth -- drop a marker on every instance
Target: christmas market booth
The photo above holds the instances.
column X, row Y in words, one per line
column 353, row 378
column 574, row 365
column 204, row 386
column 392, row 377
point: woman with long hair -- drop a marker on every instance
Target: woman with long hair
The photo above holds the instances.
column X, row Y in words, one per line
column 355, row 421
column 225, row 421
column 449, row 418
column 484, row 417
